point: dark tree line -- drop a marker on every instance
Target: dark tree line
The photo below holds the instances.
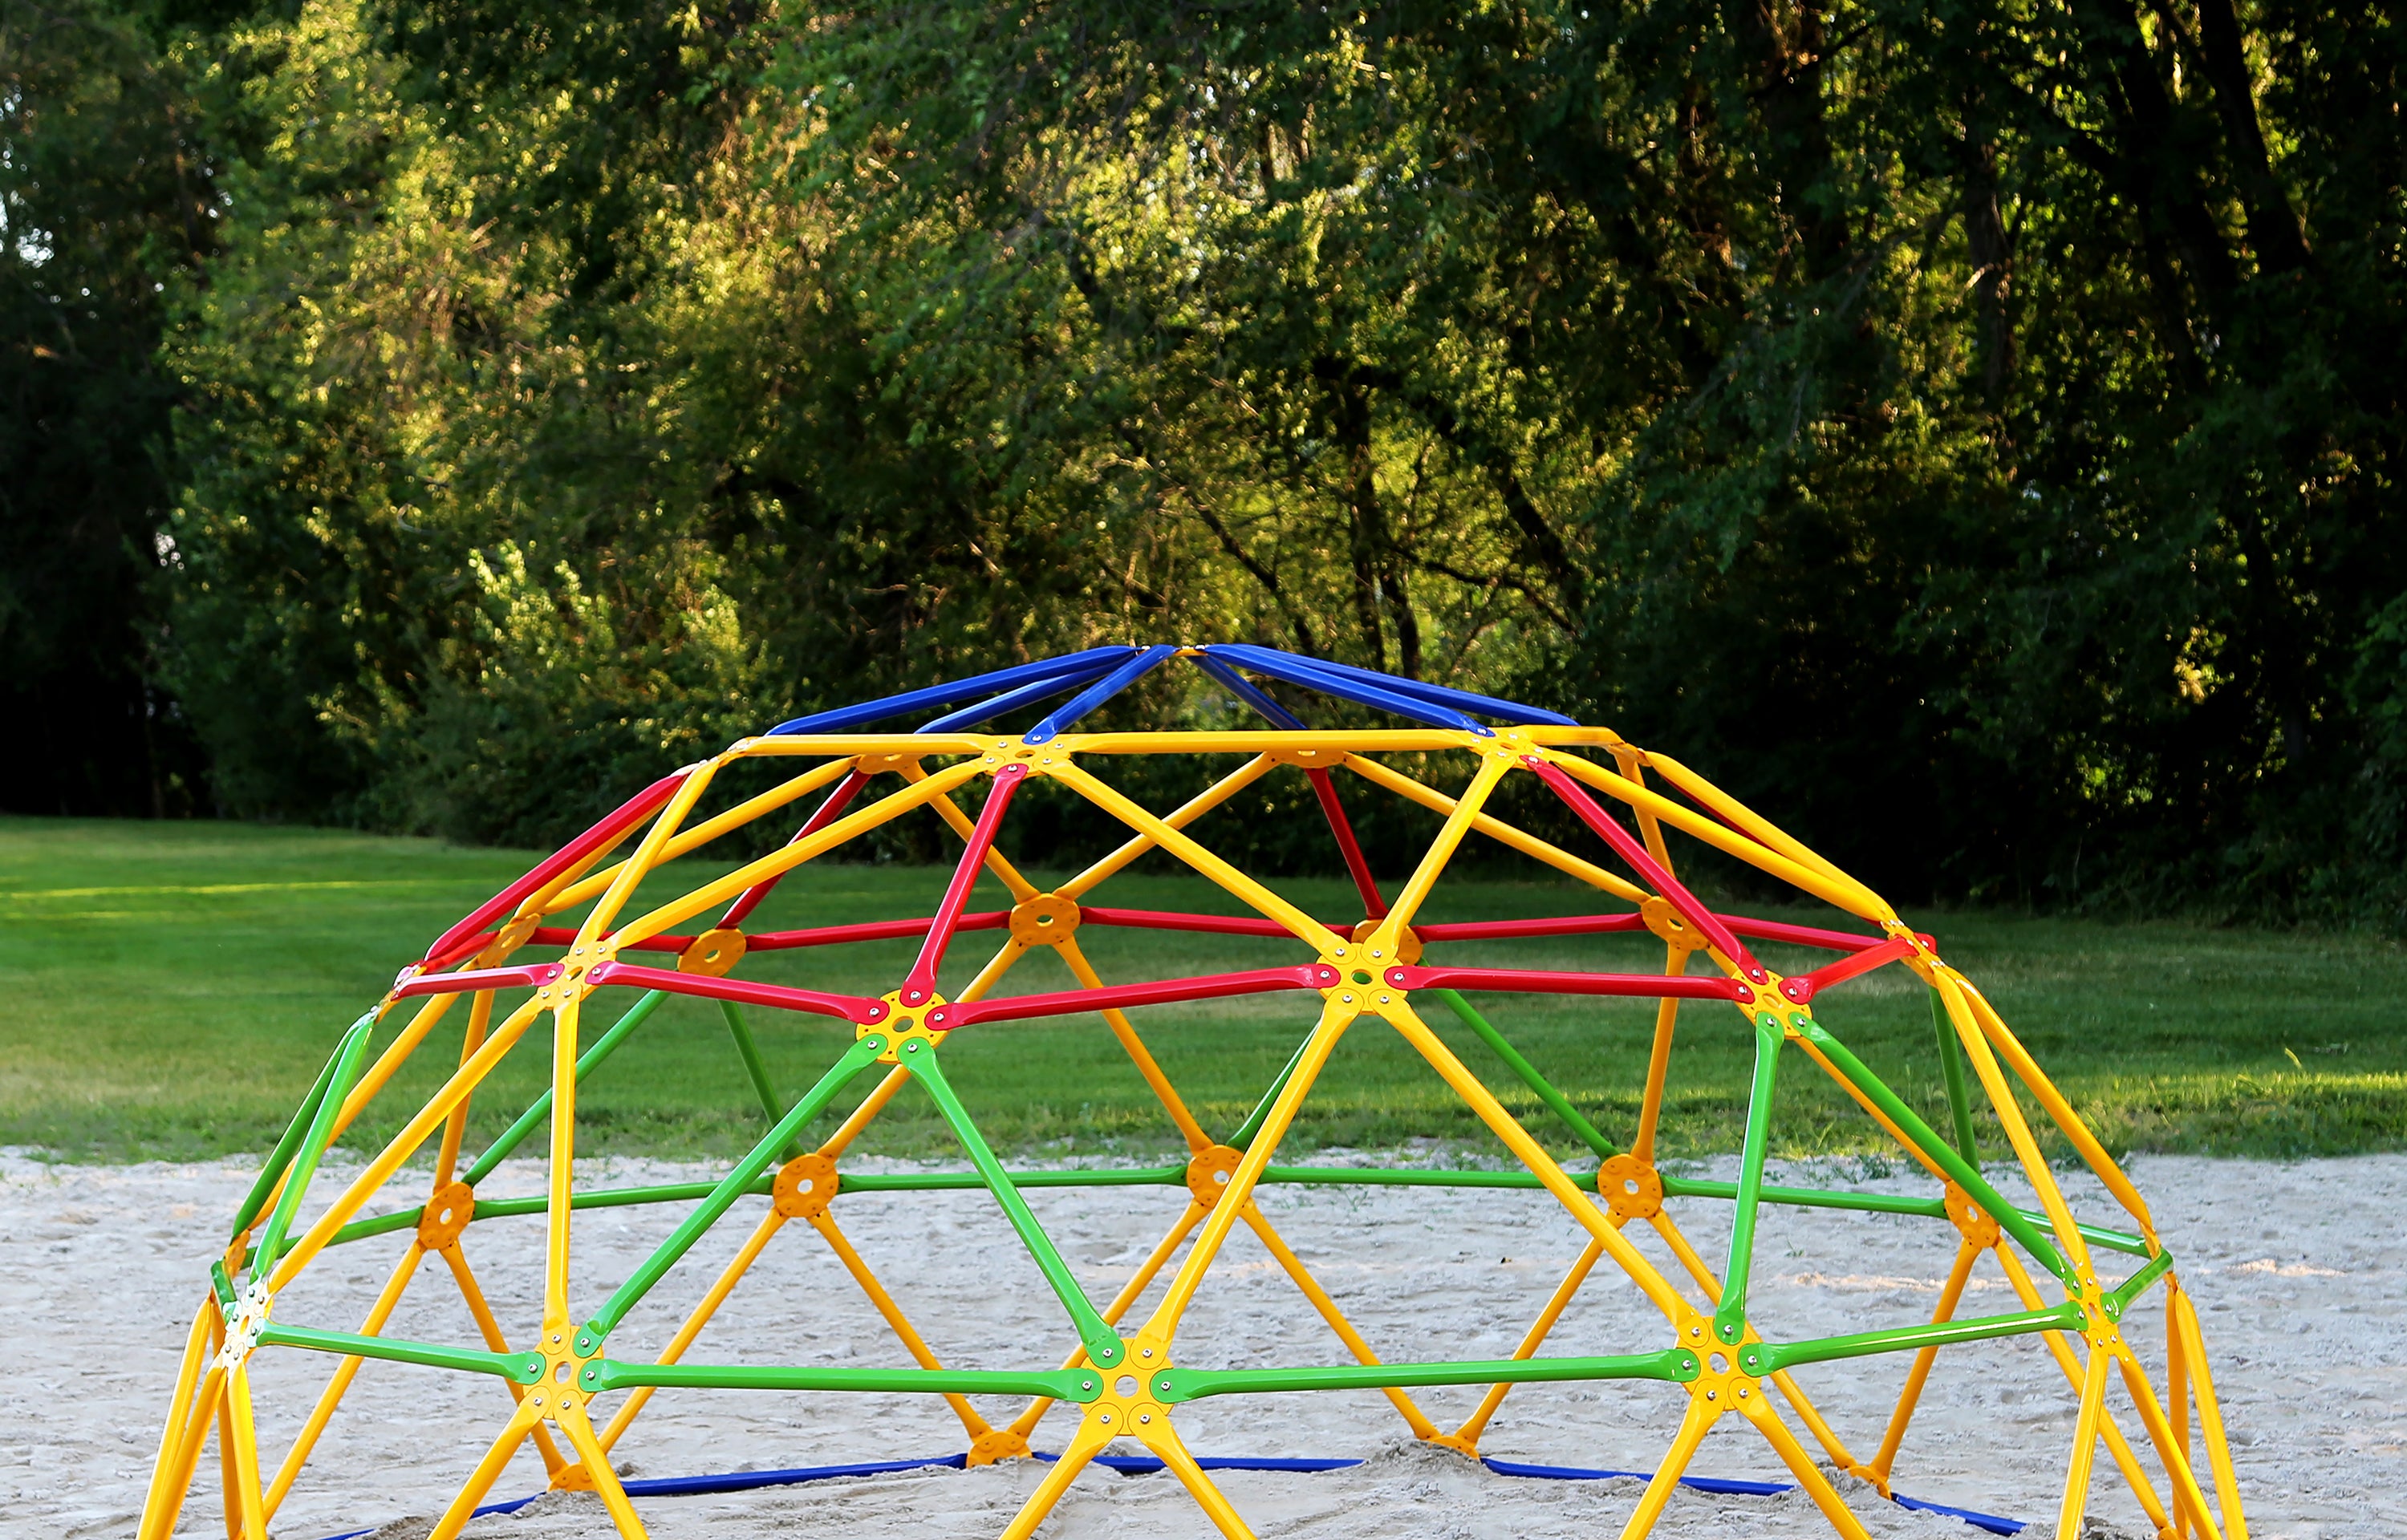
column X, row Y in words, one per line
column 1970, row 428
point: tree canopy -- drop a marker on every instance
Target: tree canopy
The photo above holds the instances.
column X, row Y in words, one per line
column 1969, row 427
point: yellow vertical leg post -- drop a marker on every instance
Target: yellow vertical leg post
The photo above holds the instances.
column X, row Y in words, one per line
column 179, row 1410
column 242, row 1434
column 1694, row 1425
column 2210, row 1420
column 2075, row 1505
column 2126, row 1460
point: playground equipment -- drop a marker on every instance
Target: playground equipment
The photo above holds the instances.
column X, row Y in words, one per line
column 562, row 940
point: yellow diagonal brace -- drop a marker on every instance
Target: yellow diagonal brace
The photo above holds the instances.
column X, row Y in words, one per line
column 1694, row 1424
column 2187, row 1496
column 480, row 1016
column 560, row 894
column 1164, row 1442
column 456, row 1258
column 962, row 824
column 1891, row 1441
column 1278, row 1246
column 1748, row 821
column 574, row 1422
column 339, row 1382
column 2210, row 1416
column 2010, row 1117
column 1085, row 1444
column 462, row 1505
column 1450, row 835
column 2075, row 1504
column 2124, row 1460
column 1467, row 1437
column 1757, row 1410
column 895, row 1320
column 696, row 1318
column 1194, row 808
column 244, row 1472
column 1497, row 830
column 160, row 1498
column 1311, row 932
column 1138, row 1055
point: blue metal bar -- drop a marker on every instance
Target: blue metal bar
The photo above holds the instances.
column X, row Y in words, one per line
column 950, row 694
column 1313, row 677
column 1439, row 695
column 1102, row 690
column 1269, row 709
column 1026, row 695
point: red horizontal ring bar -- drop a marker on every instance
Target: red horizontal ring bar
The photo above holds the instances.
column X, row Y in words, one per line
column 1497, row 930
column 1070, row 1002
column 869, row 930
column 845, row 1008
column 523, row 975
column 1218, row 925
column 601, row 836
column 1775, row 930
column 1805, row 986
column 1537, row 981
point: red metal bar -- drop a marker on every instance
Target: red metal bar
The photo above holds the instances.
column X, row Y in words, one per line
column 1535, row 981
column 1774, row 930
column 1217, row 924
column 1626, row 845
column 1805, row 986
column 830, row 811
column 1498, row 930
column 1070, row 1002
column 601, row 836
column 847, row 1007
column 874, row 930
column 921, row 983
column 1347, row 846
column 524, row 976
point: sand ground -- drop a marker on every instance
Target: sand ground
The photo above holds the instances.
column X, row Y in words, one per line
column 2299, row 1272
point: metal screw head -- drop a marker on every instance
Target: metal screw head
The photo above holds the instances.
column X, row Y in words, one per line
column 1145, row 1416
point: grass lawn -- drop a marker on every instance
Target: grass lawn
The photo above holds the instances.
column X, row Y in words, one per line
column 171, row 990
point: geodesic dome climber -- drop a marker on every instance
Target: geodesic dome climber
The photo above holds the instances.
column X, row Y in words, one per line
column 565, row 941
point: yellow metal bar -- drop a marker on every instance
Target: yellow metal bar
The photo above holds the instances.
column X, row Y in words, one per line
column 1278, row 1246
column 1416, row 888
column 892, row 1313
column 179, row 1409
column 1164, row 1442
column 2177, row 1387
column 1748, row 821
column 339, row 1382
column 1758, row 1409
column 388, row 1063
column 870, row 1105
column 1710, row 1286
column 1005, row 958
column 455, row 1258
column 229, row 1477
column 869, row 745
column 1196, row 806
column 1311, row 932
column 729, row 1276
column 462, row 1506
column 1334, row 742
column 962, row 824
column 1894, row 1439
column 205, row 1402
column 1632, row 763
column 1335, row 1017
column 1694, row 1424
column 2124, row 1460
column 245, row 1427
column 1085, row 1444
column 1658, row 1058
column 2075, row 1505
column 2187, row 1498
column 1527, row 1150
column 1138, row 1055
column 787, row 857
column 1025, row 1423
column 1501, row 832
column 2210, row 1420
column 2060, row 1111
column 583, row 887
column 2010, row 1117
column 1477, row 1424
column 480, row 1016
column 579, row 1428
column 405, row 1144
column 1861, row 902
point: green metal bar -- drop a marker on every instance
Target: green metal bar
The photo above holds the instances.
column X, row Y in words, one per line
column 222, row 1286
column 1729, row 1316
column 1771, row 1357
column 607, row 1197
column 862, row 1054
column 1960, row 1097
column 1260, row 1114
column 611, row 1374
column 2137, row 1284
column 515, row 1133
column 1964, row 1175
column 1588, row 1133
column 525, row 1368
column 758, row 1067
column 1339, row 1175
column 1102, row 1343
column 347, row 1058
column 929, row 1182
column 1173, row 1386
column 1883, row 1203
column 303, row 1116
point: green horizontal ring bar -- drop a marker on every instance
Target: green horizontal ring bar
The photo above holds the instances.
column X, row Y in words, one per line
column 1341, row 1176
column 1883, row 1203
column 1773, row 1357
column 1080, row 1384
column 524, row 1369
column 607, row 1197
column 927, row 1181
column 1675, row 1365
column 2137, row 1284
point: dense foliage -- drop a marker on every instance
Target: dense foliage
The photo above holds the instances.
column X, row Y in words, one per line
column 1973, row 421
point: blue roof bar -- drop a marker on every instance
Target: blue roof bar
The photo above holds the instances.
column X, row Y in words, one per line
column 1270, row 710
column 1102, row 690
column 1311, row 675
column 1026, row 695
column 948, row 694
column 1436, row 694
